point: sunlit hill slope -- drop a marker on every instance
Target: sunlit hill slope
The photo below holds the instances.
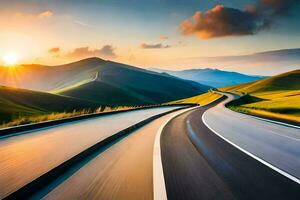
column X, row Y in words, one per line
column 15, row 103
column 277, row 96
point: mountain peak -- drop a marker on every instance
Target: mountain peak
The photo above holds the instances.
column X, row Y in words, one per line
column 91, row 59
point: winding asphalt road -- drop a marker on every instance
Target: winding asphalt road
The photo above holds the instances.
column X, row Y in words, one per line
column 199, row 164
column 207, row 153
column 27, row 156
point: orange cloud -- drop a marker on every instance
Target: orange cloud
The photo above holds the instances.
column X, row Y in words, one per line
column 164, row 37
column 45, row 14
column 218, row 22
column 223, row 21
column 54, row 50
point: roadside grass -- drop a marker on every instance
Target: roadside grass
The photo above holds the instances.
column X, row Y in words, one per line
column 277, row 97
column 266, row 113
column 280, row 104
column 236, row 89
column 284, row 102
column 22, row 120
column 202, row 99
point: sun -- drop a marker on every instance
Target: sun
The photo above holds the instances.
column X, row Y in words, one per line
column 10, row 59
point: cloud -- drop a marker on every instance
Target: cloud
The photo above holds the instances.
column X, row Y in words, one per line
column 164, row 37
column 54, row 50
column 220, row 21
column 84, row 24
column 32, row 16
column 278, row 7
column 45, row 14
column 106, row 51
column 154, row 46
column 223, row 21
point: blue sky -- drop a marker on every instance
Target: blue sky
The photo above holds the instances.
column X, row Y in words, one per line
column 128, row 26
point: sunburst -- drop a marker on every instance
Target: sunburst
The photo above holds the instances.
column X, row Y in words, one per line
column 10, row 59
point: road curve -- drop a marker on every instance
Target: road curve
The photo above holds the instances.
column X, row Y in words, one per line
column 198, row 164
column 123, row 171
column 26, row 157
column 274, row 143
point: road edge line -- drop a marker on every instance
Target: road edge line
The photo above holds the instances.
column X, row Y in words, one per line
column 258, row 117
column 159, row 186
column 265, row 119
column 276, row 122
column 252, row 155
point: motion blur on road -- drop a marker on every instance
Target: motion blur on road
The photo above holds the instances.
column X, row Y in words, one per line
column 199, row 164
column 27, row 156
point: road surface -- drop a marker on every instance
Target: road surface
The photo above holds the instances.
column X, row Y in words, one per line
column 26, row 157
column 198, row 164
column 276, row 144
column 123, row 171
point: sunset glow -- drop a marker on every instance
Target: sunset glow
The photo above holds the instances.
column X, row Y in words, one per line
column 173, row 36
column 10, row 59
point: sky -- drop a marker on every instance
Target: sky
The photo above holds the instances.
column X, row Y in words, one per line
column 167, row 34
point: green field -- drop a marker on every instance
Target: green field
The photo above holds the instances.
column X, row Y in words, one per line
column 277, row 96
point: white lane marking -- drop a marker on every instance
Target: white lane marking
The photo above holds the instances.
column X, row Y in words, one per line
column 159, row 187
column 291, row 138
column 262, row 119
column 252, row 155
column 275, row 122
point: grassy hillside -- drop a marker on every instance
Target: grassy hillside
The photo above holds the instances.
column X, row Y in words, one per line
column 104, row 93
column 101, row 81
column 15, row 103
column 202, row 99
column 277, row 96
column 125, row 85
column 49, row 78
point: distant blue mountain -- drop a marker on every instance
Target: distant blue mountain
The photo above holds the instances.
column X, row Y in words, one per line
column 269, row 62
column 212, row 77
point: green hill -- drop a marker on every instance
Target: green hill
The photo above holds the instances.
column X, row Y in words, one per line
column 286, row 81
column 20, row 102
column 101, row 81
column 122, row 84
column 49, row 78
column 104, row 93
column 277, row 96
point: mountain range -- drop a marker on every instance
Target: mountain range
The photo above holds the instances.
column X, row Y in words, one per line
column 267, row 62
column 212, row 77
